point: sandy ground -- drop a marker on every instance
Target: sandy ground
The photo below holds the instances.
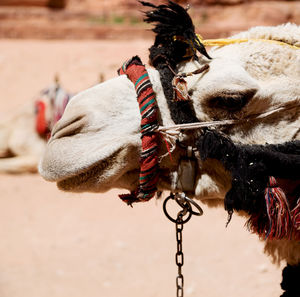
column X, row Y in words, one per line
column 56, row 244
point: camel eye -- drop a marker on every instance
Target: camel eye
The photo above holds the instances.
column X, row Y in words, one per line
column 230, row 101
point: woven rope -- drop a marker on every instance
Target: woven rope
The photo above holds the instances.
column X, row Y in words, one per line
column 227, row 41
column 138, row 75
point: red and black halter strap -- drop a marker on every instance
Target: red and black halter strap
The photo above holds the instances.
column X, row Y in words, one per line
column 138, row 75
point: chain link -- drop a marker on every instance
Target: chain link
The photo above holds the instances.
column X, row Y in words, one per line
column 183, row 216
column 179, row 257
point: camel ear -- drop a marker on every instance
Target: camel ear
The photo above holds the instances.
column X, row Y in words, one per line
column 56, row 79
column 101, row 77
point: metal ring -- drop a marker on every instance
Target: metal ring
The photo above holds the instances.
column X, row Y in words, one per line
column 200, row 210
column 172, row 219
column 185, row 205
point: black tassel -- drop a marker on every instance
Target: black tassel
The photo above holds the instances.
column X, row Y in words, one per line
column 250, row 167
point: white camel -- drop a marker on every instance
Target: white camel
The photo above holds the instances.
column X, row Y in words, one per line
column 23, row 135
column 96, row 145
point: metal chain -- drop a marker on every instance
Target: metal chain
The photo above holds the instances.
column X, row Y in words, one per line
column 185, row 203
column 179, row 257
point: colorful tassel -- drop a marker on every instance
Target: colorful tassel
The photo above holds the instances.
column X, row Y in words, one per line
column 278, row 211
column 295, row 214
column 281, row 222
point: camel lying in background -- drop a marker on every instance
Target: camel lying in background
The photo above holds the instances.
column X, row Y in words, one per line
column 96, row 145
column 23, row 135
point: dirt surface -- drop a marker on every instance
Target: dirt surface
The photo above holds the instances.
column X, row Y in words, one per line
column 56, row 244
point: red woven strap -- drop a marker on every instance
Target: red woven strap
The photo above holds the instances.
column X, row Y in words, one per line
column 148, row 178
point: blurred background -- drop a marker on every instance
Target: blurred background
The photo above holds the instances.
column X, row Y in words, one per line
column 56, row 244
column 86, row 19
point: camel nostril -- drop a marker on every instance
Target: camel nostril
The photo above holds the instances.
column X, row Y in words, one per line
column 69, row 127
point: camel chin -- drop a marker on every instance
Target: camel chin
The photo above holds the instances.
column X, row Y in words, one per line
column 100, row 177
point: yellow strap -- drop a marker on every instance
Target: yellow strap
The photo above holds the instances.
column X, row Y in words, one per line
column 222, row 42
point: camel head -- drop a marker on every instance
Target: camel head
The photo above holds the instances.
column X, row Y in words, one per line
column 96, row 144
column 242, row 99
column 50, row 104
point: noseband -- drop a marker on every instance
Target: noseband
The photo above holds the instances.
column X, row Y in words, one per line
column 148, row 178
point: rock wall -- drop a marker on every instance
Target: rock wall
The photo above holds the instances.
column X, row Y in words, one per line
column 31, row 3
column 115, row 19
column 215, row 18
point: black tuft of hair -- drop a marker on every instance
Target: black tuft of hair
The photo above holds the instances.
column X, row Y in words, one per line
column 175, row 42
column 172, row 21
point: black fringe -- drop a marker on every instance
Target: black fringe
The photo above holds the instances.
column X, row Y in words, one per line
column 250, row 167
